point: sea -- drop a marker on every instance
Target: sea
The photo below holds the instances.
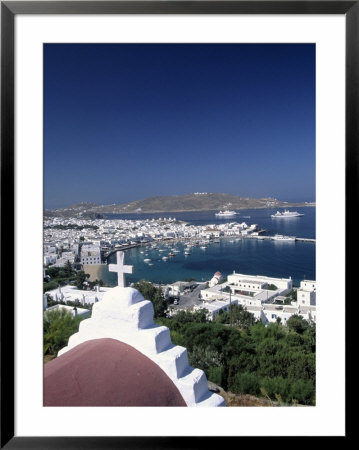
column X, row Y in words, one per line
column 267, row 257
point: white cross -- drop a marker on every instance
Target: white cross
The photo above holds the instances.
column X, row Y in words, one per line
column 120, row 268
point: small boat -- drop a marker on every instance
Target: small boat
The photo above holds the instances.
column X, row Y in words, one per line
column 171, row 254
column 164, row 258
column 187, row 252
column 147, row 260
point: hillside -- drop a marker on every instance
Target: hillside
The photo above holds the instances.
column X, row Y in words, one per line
column 176, row 203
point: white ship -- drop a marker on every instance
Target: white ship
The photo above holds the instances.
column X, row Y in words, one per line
column 226, row 213
column 287, row 213
column 281, row 237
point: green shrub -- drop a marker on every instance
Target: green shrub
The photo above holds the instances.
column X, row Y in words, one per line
column 215, row 374
column 59, row 325
column 50, row 285
column 302, row 366
column 297, row 323
column 277, row 386
column 246, row 383
column 204, row 358
column 303, row 391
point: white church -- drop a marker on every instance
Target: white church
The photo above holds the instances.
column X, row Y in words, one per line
column 133, row 360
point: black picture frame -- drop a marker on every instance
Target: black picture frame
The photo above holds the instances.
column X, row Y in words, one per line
column 9, row 9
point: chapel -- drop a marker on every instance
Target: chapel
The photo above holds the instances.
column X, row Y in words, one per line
column 120, row 357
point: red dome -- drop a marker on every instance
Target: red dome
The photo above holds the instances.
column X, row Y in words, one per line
column 107, row 372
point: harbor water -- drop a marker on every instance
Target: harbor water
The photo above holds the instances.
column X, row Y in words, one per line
column 250, row 256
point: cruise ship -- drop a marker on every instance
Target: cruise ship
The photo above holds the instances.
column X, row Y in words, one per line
column 287, row 213
column 226, row 213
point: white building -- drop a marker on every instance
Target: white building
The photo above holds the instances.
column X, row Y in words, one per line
column 217, row 277
column 50, row 259
column 271, row 313
column 71, row 293
column 215, row 306
column 217, row 293
column 75, row 311
column 90, row 254
column 65, row 257
column 306, row 294
column 256, row 283
column 251, row 291
column 173, row 290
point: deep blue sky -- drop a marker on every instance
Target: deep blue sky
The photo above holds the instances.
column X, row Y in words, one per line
column 124, row 121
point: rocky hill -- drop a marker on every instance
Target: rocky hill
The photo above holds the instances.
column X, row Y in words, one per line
column 178, row 203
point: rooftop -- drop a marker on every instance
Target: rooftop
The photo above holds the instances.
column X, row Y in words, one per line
column 107, row 372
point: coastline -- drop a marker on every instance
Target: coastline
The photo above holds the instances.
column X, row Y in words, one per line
column 167, row 211
column 291, row 205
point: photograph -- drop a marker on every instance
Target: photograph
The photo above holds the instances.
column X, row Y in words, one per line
column 176, row 179
column 179, row 224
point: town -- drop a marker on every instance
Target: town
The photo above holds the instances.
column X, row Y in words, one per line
column 87, row 242
column 83, row 243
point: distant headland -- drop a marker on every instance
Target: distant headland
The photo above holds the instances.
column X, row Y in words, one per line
column 197, row 201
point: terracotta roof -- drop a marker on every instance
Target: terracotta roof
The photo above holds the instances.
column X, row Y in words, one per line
column 107, row 372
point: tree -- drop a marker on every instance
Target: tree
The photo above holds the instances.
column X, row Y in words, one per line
column 68, row 268
column 81, row 277
column 204, row 358
column 53, row 271
column 59, row 325
column 199, row 316
column 237, row 316
column 51, row 285
column 297, row 323
column 271, row 359
column 153, row 294
column 241, row 317
column 222, row 317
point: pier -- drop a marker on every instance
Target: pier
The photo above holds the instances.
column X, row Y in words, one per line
column 305, row 239
column 271, row 237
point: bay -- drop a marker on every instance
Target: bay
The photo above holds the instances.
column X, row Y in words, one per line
column 248, row 256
